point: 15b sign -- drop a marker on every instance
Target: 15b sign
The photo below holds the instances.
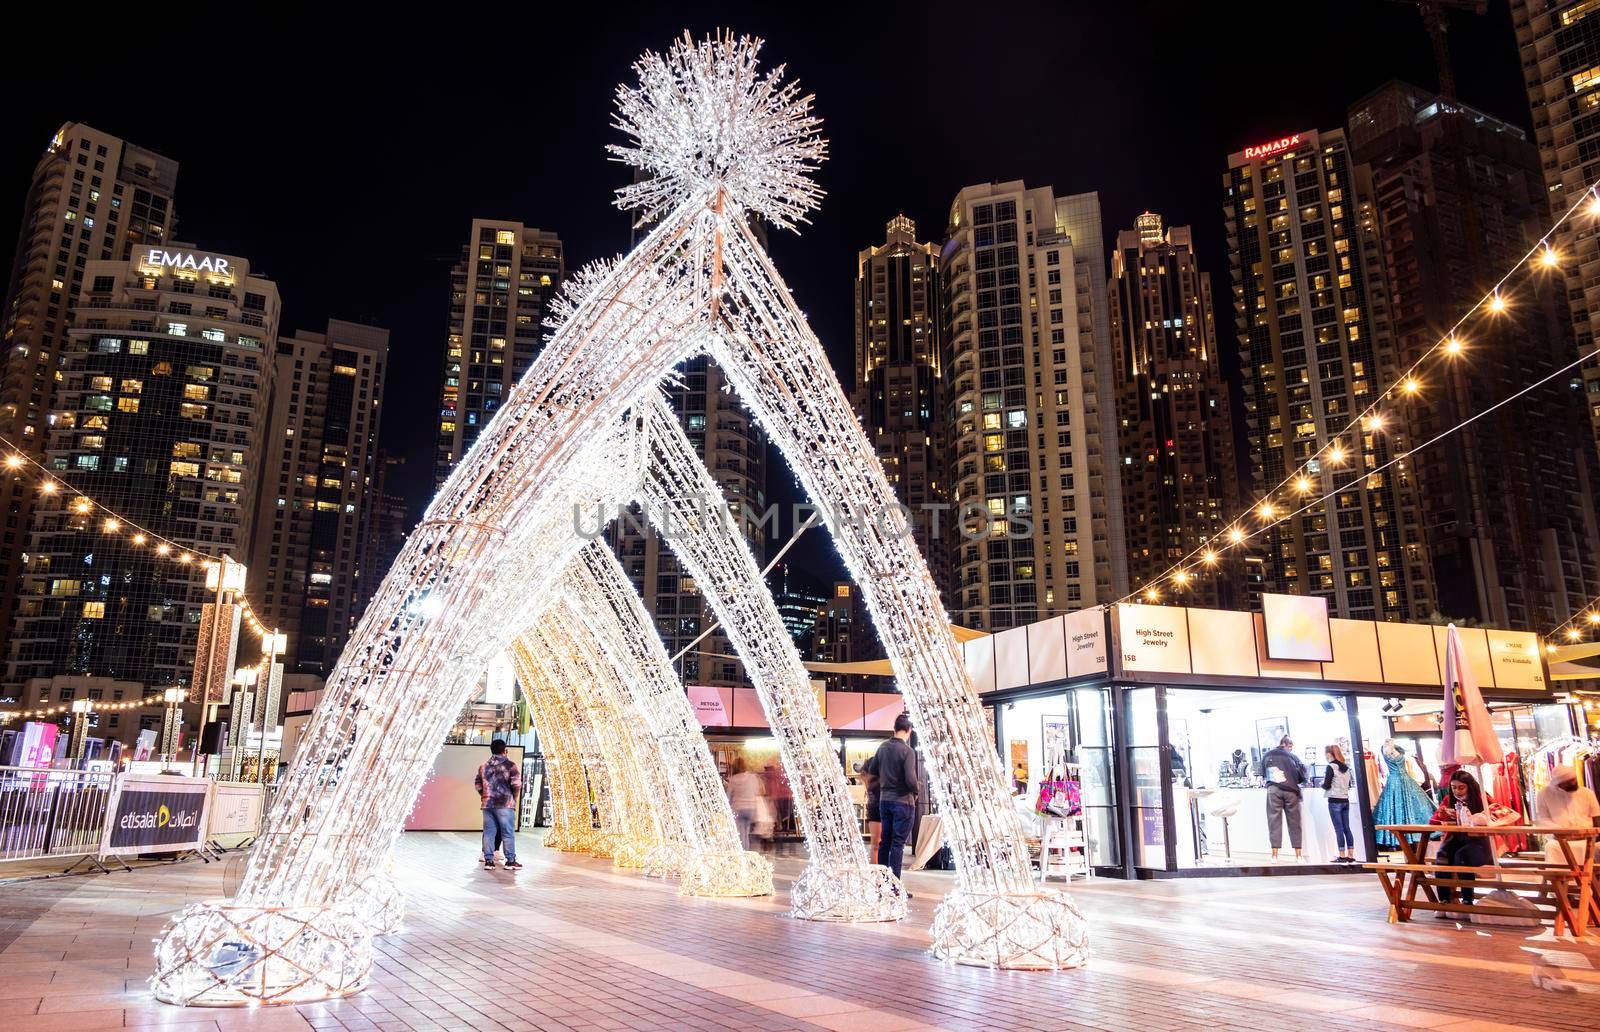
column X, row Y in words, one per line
column 157, row 815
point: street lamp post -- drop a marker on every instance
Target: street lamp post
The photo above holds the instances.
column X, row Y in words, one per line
column 275, row 646
column 81, row 711
column 173, row 697
column 243, row 711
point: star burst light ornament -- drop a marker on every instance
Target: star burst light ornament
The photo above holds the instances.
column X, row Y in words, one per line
column 704, row 118
column 717, row 140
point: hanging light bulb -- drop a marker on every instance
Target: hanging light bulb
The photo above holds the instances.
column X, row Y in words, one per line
column 112, row 526
column 1497, row 303
column 1336, row 455
column 1266, row 510
column 1236, row 535
column 1373, row 422
column 1181, row 578
column 1594, row 203
column 82, row 505
column 14, row 461
column 1210, row 558
column 1410, row 386
column 1302, row 484
column 1548, row 257
column 1453, row 345
column 1593, row 618
column 1151, row 595
column 138, row 539
column 163, row 548
column 48, row 487
column 1573, row 634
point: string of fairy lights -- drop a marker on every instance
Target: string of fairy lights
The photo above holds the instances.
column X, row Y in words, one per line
column 1573, row 628
column 75, row 501
column 1278, row 504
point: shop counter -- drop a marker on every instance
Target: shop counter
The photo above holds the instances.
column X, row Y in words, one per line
column 1247, row 828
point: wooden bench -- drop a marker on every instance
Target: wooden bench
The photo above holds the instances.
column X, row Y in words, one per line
column 1549, row 884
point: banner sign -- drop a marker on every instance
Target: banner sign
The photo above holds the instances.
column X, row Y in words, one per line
column 212, row 679
column 156, row 814
column 235, row 810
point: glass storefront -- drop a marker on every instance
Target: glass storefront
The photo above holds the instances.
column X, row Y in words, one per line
column 1219, row 793
column 1064, row 735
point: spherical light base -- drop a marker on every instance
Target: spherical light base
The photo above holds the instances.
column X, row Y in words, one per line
column 218, row 954
column 870, row 893
column 726, row 875
column 665, row 861
column 379, row 903
column 631, row 852
column 1032, row 931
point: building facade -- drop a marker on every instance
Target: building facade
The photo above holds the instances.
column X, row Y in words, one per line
column 1175, row 424
column 508, row 272
column 898, row 381
column 93, row 197
column 1508, row 502
column 1559, row 45
column 1026, row 341
column 318, row 501
column 160, row 417
column 391, row 522
column 1316, row 345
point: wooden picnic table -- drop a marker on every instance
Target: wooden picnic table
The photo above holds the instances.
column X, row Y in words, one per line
column 1414, row 839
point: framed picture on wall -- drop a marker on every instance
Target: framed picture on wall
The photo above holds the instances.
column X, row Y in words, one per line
column 1269, row 732
column 1056, row 734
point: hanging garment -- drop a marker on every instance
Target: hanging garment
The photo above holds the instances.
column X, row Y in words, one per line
column 1508, row 792
column 1402, row 802
column 1369, row 763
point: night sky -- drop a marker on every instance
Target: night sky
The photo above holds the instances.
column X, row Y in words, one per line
column 350, row 178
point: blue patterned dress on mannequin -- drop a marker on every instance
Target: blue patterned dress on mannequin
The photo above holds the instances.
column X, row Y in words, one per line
column 1402, row 801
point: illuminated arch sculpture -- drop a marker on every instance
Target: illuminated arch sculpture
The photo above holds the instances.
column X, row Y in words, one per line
column 572, row 827
column 717, row 141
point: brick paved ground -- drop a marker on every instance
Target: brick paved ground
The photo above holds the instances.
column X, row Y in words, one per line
column 573, row 944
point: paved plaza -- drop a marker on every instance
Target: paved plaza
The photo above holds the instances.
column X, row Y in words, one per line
column 570, row 943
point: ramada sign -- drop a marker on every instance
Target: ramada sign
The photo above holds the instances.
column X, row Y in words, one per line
column 185, row 260
column 1265, row 149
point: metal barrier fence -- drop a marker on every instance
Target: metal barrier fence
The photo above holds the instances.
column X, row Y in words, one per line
column 51, row 813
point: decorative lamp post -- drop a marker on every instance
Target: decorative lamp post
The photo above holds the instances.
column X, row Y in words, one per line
column 81, row 711
column 275, row 645
column 173, row 697
column 243, row 710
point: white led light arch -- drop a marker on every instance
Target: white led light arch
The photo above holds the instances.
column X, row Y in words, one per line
column 717, row 140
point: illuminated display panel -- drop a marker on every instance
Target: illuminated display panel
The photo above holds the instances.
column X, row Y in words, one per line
column 1297, row 627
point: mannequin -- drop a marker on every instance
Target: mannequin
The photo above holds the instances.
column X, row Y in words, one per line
column 1402, row 801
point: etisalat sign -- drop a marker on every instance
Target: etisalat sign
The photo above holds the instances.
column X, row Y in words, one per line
column 686, row 516
column 159, row 814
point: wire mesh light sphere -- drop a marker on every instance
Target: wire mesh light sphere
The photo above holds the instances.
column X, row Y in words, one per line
column 705, row 118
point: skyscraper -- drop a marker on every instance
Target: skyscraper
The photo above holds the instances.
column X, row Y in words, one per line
column 1508, row 502
column 1317, row 345
column 498, row 292
column 1026, row 339
column 1175, row 427
column 159, row 416
column 391, row 521
column 318, row 498
column 898, row 385
column 1559, row 44
column 93, row 197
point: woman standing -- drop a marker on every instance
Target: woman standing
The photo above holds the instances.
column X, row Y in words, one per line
column 1336, row 784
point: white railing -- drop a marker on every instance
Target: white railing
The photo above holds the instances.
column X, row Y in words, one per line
column 51, row 813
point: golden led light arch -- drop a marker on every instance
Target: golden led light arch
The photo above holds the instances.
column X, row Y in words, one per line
column 717, row 140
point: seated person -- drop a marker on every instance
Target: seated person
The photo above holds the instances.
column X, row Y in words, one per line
column 1465, row 805
column 1562, row 804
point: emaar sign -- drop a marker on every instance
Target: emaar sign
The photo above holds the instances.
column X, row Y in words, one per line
column 186, row 261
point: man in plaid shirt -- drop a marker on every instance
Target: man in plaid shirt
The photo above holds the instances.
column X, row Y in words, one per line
column 499, row 782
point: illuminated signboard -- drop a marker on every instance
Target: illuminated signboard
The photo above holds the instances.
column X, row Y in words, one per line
column 1275, row 147
column 1297, row 627
column 156, row 259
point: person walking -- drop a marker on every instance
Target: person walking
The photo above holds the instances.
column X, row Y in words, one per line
column 1336, row 784
column 1285, row 774
column 895, row 768
column 744, row 795
column 499, row 784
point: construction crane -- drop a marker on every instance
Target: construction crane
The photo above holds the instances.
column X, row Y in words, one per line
column 1435, row 19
